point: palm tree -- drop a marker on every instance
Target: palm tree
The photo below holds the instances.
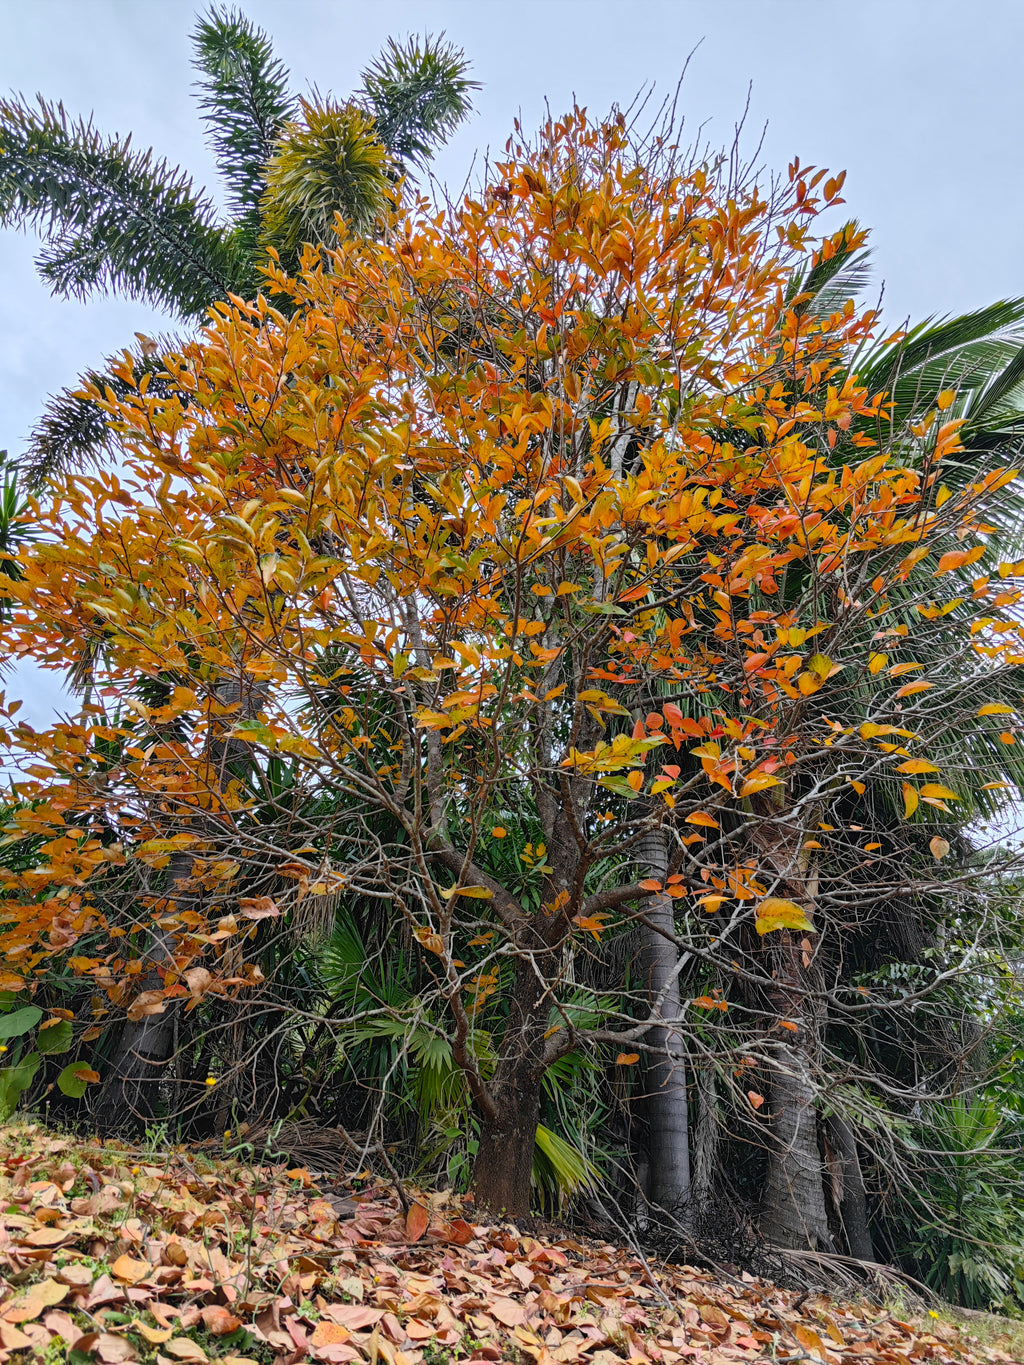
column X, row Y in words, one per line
column 980, row 356
column 115, row 219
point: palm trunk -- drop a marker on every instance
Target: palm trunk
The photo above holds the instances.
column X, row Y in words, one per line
column 129, row 1094
column 793, row 1210
column 668, row 1120
column 851, row 1197
column 706, row 1146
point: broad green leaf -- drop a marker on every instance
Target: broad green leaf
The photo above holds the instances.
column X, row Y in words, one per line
column 20, row 1022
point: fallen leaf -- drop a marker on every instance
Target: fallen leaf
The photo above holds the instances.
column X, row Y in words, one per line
column 507, row 1311
column 184, row 1348
column 218, row 1321
column 417, row 1221
column 28, row 1306
column 130, row 1270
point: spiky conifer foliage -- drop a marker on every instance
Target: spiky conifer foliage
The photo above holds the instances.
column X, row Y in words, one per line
column 119, row 220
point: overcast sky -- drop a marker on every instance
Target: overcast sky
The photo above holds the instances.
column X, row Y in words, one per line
column 921, row 101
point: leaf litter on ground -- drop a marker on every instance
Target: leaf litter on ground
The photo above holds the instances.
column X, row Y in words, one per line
column 109, row 1254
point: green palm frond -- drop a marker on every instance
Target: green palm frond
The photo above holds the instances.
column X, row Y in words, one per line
column 113, row 219
column 935, row 341
column 73, row 433
column 245, row 104
column 832, row 280
column 418, row 93
column 329, row 163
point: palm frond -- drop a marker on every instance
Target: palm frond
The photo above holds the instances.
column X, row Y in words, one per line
column 113, row 218
column 245, row 104
column 933, row 340
column 73, row 433
column 418, row 93
column 329, row 163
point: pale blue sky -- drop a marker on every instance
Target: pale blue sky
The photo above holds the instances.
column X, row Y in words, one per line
column 921, row 101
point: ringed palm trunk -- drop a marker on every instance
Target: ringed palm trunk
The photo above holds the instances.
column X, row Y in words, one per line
column 668, row 1121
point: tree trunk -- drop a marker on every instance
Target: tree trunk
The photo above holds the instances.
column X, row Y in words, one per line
column 706, row 1147
column 503, row 1170
column 850, row 1196
column 129, row 1093
column 668, row 1142
column 793, row 1212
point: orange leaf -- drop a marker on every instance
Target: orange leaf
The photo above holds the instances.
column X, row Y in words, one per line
column 627, row 1058
column 417, row 1220
column 755, row 1099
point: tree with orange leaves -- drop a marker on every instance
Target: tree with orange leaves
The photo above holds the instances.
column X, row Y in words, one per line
column 556, row 503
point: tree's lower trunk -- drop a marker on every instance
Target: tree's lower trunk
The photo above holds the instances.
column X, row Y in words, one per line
column 668, row 1121
column 503, row 1170
column 793, row 1211
column 706, row 1146
column 129, row 1094
column 848, row 1189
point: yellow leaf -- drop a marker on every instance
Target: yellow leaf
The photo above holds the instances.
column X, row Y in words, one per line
column 939, row 848
column 995, row 708
column 712, row 903
column 937, row 789
column 774, row 913
column 917, row 765
column 757, row 782
column 859, row 787
column 910, row 800
column 876, row 662
column 945, row 399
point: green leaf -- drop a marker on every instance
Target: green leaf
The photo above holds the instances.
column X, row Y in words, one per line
column 74, row 1080
column 20, row 1022
column 55, row 1036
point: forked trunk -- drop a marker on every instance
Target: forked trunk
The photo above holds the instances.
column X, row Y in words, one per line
column 668, row 1122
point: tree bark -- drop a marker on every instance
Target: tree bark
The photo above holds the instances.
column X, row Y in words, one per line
column 793, row 1212
column 793, row 1209
column 851, row 1198
column 129, row 1093
column 668, row 1120
column 503, row 1170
